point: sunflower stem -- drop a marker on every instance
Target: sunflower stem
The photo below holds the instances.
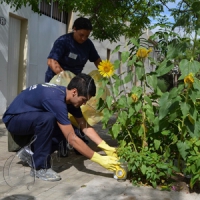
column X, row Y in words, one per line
column 112, row 90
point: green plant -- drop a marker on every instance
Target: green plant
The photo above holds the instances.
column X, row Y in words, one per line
column 154, row 128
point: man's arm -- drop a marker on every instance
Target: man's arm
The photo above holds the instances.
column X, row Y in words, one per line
column 109, row 162
column 97, row 62
column 93, row 135
column 88, row 130
column 54, row 65
column 75, row 141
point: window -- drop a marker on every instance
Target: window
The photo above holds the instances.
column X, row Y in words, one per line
column 51, row 10
column 45, row 8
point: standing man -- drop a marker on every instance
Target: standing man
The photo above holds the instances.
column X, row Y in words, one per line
column 71, row 51
column 42, row 110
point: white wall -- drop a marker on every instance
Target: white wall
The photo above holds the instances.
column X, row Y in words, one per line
column 41, row 31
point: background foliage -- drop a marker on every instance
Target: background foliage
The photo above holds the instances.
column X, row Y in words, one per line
column 114, row 18
column 158, row 130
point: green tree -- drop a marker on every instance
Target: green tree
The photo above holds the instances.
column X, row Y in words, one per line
column 111, row 18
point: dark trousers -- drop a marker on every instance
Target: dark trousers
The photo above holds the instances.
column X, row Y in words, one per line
column 47, row 135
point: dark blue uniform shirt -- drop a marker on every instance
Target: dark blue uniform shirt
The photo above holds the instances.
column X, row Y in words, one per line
column 71, row 55
column 43, row 98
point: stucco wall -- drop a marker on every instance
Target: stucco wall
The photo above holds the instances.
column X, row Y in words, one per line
column 41, row 32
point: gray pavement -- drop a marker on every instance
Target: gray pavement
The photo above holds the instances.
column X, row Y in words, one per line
column 81, row 179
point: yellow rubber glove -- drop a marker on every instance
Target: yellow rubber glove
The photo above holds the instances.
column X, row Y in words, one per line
column 110, row 151
column 108, row 162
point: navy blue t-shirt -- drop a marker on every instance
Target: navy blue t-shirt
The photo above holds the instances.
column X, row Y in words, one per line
column 43, row 98
column 71, row 55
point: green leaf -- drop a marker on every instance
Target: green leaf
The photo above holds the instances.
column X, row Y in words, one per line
column 134, row 42
column 194, row 95
column 109, row 100
column 173, row 92
column 159, row 92
column 173, row 116
column 198, row 31
column 132, row 61
column 196, row 6
column 161, row 166
column 131, row 112
column 149, row 112
column 116, row 128
column 196, row 84
column 116, row 64
column 143, row 169
column 157, row 144
column 187, row 67
column 185, row 109
column 148, row 100
column 100, row 91
column 152, row 81
column 162, row 84
column 183, row 147
column 128, row 78
column 125, row 56
column 194, row 179
column 122, row 118
column 140, row 72
column 166, row 132
column 164, row 103
column 164, row 68
column 172, row 52
column 138, row 106
column 156, row 124
column 116, row 49
column 122, row 102
column 197, row 143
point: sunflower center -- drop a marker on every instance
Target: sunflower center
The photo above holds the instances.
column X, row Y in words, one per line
column 106, row 69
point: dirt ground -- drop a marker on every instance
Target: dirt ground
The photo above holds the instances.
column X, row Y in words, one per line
column 181, row 183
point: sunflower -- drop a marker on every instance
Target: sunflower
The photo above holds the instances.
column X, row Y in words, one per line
column 134, row 98
column 189, row 79
column 143, row 52
column 106, row 68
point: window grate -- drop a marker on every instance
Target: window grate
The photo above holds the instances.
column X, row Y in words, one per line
column 52, row 10
column 45, row 9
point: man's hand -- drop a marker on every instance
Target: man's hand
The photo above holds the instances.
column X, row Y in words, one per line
column 110, row 151
column 108, row 162
column 54, row 65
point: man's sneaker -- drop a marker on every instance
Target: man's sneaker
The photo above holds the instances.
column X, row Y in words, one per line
column 25, row 155
column 45, row 174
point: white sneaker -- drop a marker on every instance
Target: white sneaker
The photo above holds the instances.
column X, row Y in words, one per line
column 25, row 155
column 45, row 174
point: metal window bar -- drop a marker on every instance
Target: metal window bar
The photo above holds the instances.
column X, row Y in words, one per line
column 45, row 8
column 65, row 17
column 51, row 10
column 56, row 13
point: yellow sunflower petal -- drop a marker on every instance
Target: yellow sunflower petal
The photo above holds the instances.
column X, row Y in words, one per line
column 106, row 68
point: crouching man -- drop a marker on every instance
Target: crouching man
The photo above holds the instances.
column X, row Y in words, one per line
column 42, row 110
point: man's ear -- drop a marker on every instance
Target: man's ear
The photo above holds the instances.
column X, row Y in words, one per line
column 74, row 92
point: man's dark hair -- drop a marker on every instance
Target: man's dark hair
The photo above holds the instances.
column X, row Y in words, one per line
column 84, row 84
column 82, row 23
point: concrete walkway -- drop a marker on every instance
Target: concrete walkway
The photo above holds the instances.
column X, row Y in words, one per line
column 81, row 179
